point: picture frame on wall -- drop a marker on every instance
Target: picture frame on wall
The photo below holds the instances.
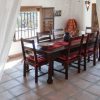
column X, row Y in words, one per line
column 58, row 13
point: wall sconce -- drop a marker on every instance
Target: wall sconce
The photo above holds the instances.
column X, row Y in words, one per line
column 87, row 3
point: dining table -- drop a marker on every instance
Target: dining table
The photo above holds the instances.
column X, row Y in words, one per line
column 51, row 50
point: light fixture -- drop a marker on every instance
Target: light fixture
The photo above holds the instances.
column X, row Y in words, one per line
column 87, row 3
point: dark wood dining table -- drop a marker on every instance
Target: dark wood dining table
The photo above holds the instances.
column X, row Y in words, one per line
column 52, row 52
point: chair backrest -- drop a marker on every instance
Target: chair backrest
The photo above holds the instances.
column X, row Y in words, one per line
column 28, row 52
column 90, row 29
column 96, row 40
column 75, row 45
column 44, row 36
column 58, row 33
column 91, row 41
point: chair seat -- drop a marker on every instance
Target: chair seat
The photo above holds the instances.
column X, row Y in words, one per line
column 70, row 58
column 41, row 60
column 88, row 51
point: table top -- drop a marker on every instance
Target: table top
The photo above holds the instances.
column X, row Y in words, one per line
column 56, row 46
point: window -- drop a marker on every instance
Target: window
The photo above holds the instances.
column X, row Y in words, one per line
column 28, row 23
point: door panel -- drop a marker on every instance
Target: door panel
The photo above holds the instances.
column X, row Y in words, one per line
column 94, row 17
column 48, row 18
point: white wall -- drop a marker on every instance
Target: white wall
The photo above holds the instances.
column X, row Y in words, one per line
column 93, row 1
column 87, row 15
column 69, row 8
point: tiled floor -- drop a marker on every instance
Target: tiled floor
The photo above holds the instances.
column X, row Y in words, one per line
column 83, row 86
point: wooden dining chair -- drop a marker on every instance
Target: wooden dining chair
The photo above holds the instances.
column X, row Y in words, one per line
column 44, row 36
column 91, row 48
column 58, row 33
column 71, row 54
column 91, row 29
column 31, row 57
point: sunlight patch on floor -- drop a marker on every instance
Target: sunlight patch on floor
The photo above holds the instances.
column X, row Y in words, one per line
column 12, row 64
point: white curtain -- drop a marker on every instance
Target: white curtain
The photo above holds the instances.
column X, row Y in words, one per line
column 8, row 14
column 98, row 10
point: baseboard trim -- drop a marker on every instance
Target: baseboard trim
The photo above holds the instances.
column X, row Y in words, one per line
column 14, row 56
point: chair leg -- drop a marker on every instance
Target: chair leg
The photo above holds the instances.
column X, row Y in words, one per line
column 52, row 68
column 36, row 74
column 27, row 67
column 94, row 59
column 62, row 64
column 40, row 68
column 88, row 58
column 79, row 60
column 24, row 69
column 66, row 70
column 97, row 54
column 84, row 63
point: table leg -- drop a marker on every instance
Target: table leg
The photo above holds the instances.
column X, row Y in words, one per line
column 50, row 81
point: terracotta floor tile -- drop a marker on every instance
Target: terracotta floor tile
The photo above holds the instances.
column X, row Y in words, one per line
column 2, row 89
column 10, row 84
column 95, row 89
column 6, row 96
column 79, row 86
column 56, row 96
column 81, row 83
column 95, row 72
column 28, row 96
column 70, row 89
column 90, row 78
column 5, row 78
column 16, row 74
column 18, row 90
column 85, row 96
column 44, row 90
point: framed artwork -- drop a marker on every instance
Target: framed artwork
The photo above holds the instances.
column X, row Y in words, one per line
column 58, row 13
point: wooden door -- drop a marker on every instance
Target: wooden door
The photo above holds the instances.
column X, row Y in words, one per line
column 48, row 18
column 94, row 17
